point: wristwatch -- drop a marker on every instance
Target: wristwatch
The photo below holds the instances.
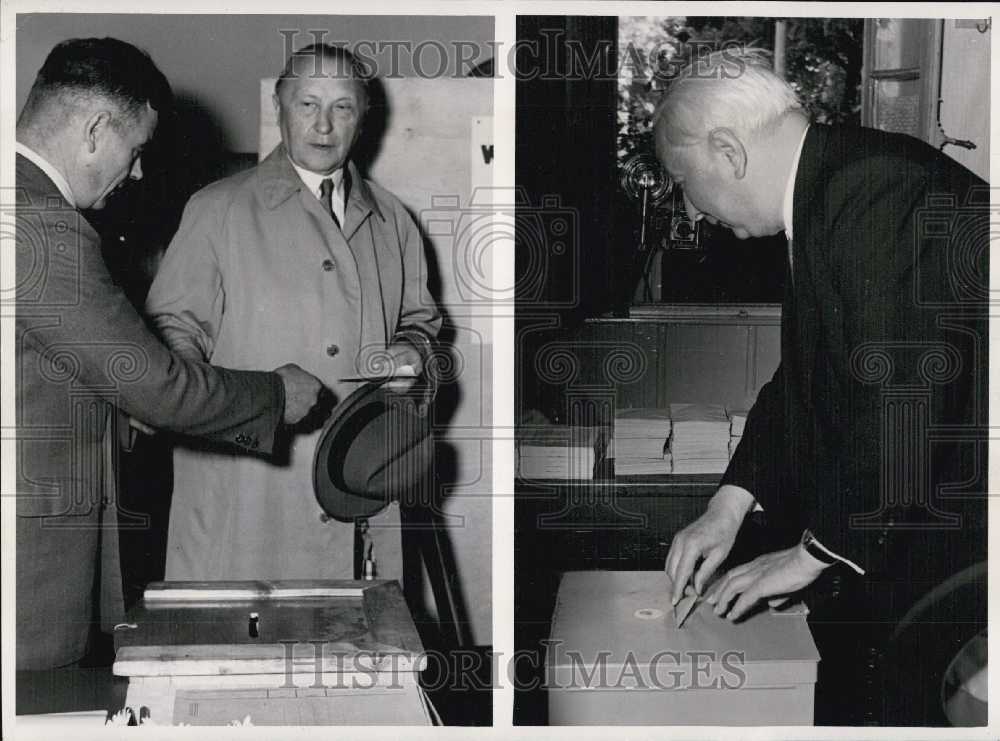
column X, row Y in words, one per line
column 814, row 549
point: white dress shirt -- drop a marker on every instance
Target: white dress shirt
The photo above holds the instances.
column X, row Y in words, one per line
column 314, row 181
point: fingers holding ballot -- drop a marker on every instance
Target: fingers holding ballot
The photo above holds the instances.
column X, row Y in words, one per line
column 399, row 366
column 698, row 549
column 769, row 577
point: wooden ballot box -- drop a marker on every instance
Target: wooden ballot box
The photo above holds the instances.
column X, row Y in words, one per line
column 616, row 657
column 316, row 652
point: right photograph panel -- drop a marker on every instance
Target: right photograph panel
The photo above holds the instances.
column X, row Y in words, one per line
column 751, row 371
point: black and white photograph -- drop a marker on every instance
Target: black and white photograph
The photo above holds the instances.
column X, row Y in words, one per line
column 497, row 369
column 252, row 369
column 751, row 371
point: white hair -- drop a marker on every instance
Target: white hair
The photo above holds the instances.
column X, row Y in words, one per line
column 735, row 88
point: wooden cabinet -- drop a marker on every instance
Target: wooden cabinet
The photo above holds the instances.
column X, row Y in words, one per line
column 661, row 354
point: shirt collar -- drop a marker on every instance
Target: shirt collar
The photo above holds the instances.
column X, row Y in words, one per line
column 790, row 187
column 278, row 181
column 314, row 180
column 49, row 169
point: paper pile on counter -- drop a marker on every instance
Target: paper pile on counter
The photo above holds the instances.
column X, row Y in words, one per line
column 559, row 451
column 737, row 421
column 640, row 442
column 699, row 442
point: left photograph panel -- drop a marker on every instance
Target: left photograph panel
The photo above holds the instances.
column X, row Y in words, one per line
column 253, row 363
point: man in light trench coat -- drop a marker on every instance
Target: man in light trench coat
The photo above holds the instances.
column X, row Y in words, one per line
column 300, row 259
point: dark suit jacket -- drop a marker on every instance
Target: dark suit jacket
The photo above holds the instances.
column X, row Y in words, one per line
column 872, row 430
column 82, row 350
column 83, row 357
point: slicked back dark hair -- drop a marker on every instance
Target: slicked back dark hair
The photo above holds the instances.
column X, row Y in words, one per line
column 321, row 54
column 107, row 67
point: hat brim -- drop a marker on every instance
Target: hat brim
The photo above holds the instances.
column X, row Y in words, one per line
column 332, row 496
column 337, row 486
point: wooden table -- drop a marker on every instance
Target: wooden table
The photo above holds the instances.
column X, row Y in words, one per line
column 309, row 652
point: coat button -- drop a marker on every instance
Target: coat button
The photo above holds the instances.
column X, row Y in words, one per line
column 332, row 350
column 328, row 265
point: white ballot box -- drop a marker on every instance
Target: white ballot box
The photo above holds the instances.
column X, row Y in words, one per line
column 615, row 657
column 316, row 652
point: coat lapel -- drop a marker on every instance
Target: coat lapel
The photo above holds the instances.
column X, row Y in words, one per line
column 802, row 321
column 358, row 243
column 816, row 303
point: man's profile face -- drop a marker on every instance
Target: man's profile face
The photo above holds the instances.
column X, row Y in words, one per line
column 320, row 115
column 710, row 189
column 118, row 158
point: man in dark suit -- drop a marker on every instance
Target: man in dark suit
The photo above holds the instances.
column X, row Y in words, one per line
column 866, row 450
column 85, row 359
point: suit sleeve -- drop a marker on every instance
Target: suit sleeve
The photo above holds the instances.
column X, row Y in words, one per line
column 186, row 299
column 756, row 462
column 103, row 344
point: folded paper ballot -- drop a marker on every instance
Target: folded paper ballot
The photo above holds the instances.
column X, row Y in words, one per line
column 559, row 451
column 685, row 606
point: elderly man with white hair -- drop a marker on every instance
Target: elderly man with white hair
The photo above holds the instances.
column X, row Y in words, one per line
column 877, row 410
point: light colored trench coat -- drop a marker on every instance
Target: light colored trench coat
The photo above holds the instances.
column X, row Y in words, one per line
column 259, row 275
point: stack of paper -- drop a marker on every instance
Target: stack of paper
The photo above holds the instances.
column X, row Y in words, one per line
column 640, row 442
column 559, row 452
column 699, row 442
column 737, row 421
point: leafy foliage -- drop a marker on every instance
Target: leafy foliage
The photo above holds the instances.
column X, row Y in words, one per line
column 822, row 62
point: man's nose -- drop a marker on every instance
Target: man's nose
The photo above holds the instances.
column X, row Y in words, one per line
column 136, row 172
column 324, row 122
column 693, row 213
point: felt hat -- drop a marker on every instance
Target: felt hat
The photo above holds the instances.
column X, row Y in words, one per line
column 376, row 445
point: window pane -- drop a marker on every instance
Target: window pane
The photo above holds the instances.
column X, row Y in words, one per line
column 897, row 43
column 897, row 106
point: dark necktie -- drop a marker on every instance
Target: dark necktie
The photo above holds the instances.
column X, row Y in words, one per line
column 326, row 195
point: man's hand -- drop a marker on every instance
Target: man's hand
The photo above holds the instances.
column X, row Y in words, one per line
column 708, row 539
column 302, row 392
column 405, row 362
column 771, row 577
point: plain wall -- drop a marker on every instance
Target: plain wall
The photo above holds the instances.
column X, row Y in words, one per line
column 965, row 92
column 218, row 61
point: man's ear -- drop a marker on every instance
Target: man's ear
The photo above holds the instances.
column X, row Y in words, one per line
column 725, row 142
column 95, row 127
